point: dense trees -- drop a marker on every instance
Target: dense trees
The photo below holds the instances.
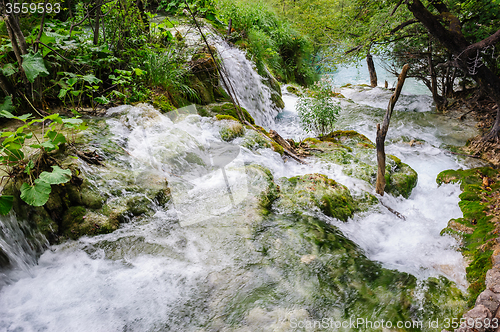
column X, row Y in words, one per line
column 441, row 39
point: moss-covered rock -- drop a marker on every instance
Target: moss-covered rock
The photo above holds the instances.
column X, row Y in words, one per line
column 277, row 101
column 294, row 90
column 205, row 79
column 317, row 191
column 357, row 154
column 254, row 140
column 78, row 221
column 162, row 102
column 230, row 129
column 224, row 109
column 476, row 229
column 277, row 148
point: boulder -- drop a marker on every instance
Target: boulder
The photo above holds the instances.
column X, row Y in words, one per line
column 357, row 154
column 316, row 191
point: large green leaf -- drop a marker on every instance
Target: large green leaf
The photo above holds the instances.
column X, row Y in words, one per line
column 6, row 204
column 7, row 105
column 8, row 70
column 33, row 66
column 36, row 195
column 91, row 79
column 57, row 176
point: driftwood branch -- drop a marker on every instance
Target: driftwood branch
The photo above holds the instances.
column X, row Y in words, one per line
column 382, row 132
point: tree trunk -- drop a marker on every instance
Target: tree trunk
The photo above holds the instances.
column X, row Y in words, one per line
column 382, row 132
column 97, row 20
column 371, row 70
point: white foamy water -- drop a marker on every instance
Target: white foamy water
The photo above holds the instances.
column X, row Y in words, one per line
column 251, row 92
column 195, row 264
column 413, row 245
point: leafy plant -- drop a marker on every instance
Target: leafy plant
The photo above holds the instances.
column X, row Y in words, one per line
column 26, row 140
column 319, row 111
column 168, row 71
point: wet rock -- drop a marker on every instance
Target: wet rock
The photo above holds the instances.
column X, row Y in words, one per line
column 459, row 227
column 4, row 259
column 294, row 90
column 316, row 191
column 489, row 299
column 357, row 155
column 230, row 129
column 478, row 314
column 224, row 109
column 493, row 280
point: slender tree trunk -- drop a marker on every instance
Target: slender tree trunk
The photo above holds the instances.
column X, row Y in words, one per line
column 5, row 85
column 97, row 20
column 382, row 132
column 371, row 70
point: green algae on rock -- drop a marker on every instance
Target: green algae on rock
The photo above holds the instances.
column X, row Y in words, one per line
column 476, row 229
column 316, row 191
column 357, row 154
column 224, row 109
column 230, row 129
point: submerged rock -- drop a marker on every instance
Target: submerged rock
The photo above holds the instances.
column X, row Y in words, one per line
column 357, row 154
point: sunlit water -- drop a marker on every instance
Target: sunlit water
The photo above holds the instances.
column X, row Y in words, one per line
column 210, row 261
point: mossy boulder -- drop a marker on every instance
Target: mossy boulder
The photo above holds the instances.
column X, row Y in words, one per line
column 254, row 140
column 357, row 154
column 295, row 90
column 316, row 191
column 78, row 221
column 224, row 109
column 230, row 129
column 400, row 178
column 277, row 101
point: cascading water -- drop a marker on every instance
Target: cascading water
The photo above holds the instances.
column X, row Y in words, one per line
column 212, row 261
column 248, row 85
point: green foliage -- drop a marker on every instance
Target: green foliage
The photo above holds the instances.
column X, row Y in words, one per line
column 168, row 70
column 272, row 41
column 33, row 66
column 37, row 194
column 318, row 112
column 201, row 7
column 17, row 145
column 6, row 204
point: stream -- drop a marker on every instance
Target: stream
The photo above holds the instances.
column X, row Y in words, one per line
column 211, row 261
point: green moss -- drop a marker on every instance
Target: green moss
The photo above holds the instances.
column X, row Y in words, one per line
column 332, row 198
column 277, row 148
column 162, row 102
column 231, row 130
column 357, row 155
column 401, row 179
column 254, row 140
column 229, row 109
column 225, row 117
column 474, row 203
column 277, row 101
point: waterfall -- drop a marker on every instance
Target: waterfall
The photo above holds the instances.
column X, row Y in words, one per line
column 20, row 245
column 249, row 87
column 212, row 259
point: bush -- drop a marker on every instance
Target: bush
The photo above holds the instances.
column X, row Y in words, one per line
column 319, row 111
